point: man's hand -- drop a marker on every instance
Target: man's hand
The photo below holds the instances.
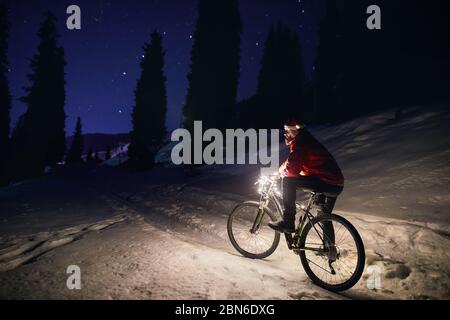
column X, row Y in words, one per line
column 282, row 170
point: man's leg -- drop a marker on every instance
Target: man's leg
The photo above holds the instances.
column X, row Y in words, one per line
column 326, row 206
column 287, row 224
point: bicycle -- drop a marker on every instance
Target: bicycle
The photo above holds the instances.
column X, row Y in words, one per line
column 328, row 259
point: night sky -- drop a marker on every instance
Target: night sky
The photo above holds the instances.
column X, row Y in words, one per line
column 103, row 57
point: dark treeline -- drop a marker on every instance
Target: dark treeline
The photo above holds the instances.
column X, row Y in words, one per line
column 39, row 139
column 360, row 71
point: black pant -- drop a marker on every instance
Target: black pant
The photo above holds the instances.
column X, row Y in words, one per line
column 324, row 202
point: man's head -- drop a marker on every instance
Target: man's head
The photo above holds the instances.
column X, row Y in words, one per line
column 291, row 130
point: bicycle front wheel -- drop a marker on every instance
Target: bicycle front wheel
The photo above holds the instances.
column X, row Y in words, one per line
column 332, row 253
column 256, row 245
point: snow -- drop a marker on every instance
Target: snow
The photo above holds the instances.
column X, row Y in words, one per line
column 162, row 234
column 404, row 164
column 118, row 156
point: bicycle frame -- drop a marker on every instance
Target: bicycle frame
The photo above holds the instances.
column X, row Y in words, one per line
column 268, row 195
column 299, row 242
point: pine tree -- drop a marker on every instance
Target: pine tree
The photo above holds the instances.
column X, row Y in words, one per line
column 281, row 79
column 5, row 97
column 76, row 150
column 39, row 137
column 361, row 71
column 57, row 137
column 149, row 114
column 351, row 63
column 329, row 66
column 215, row 65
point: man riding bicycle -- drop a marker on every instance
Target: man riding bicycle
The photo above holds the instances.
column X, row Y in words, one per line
column 333, row 260
column 309, row 166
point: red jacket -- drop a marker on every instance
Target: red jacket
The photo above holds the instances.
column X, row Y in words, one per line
column 309, row 157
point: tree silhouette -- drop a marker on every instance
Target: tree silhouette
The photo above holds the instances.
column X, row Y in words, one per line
column 76, row 149
column 215, row 60
column 39, row 137
column 361, row 71
column 149, row 113
column 329, row 67
column 280, row 81
column 5, row 97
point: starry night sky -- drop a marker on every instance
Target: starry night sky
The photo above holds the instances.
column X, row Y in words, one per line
column 103, row 57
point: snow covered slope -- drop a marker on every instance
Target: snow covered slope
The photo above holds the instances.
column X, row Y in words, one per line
column 162, row 234
column 395, row 168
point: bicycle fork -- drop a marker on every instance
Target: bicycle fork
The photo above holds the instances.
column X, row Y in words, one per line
column 259, row 216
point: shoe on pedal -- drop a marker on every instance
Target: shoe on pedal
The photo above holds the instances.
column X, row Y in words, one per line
column 283, row 226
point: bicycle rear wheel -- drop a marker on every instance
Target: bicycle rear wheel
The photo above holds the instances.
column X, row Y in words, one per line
column 333, row 259
column 257, row 245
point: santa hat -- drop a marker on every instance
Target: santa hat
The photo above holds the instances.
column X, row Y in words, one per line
column 293, row 124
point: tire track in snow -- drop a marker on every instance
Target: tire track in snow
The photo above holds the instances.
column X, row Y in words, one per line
column 22, row 250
